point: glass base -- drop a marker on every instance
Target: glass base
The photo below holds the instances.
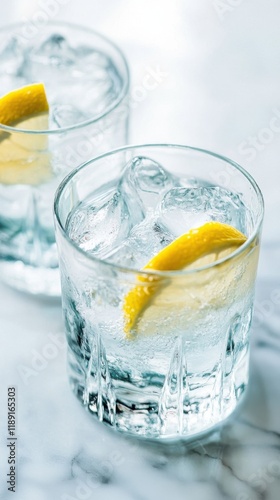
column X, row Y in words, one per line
column 142, row 414
column 35, row 280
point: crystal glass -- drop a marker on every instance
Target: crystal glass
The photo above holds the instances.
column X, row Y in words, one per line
column 184, row 366
column 86, row 79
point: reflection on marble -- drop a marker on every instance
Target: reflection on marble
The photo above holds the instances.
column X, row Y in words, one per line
column 221, row 89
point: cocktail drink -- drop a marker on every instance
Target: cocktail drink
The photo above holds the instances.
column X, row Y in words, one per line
column 64, row 101
column 158, row 249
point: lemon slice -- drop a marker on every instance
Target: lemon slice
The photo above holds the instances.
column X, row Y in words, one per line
column 24, row 158
column 23, row 102
column 210, row 239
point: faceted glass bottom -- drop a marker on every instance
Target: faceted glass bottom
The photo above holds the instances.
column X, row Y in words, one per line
column 179, row 404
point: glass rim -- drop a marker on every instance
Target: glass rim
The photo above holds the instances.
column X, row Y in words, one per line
column 90, row 121
column 162, row 274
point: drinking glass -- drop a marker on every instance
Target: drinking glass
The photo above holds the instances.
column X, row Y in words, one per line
column 86, row 79
column 183, row 368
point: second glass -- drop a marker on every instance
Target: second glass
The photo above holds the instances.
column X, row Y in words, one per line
column 86, row 79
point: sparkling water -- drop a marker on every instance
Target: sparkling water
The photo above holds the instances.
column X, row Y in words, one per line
column 185, row 366
column 82, row 83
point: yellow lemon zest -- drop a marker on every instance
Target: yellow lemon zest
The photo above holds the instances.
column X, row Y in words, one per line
column 212, row 237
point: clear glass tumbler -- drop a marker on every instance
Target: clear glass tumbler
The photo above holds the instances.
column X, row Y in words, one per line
column 183, row 366
column 86, row 80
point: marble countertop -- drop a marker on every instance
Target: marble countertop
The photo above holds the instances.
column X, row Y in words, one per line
column 218, row 71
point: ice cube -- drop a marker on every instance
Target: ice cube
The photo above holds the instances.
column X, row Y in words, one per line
column 83, row 76
column 184, row 208
column 90, row 61
column 12, row 57
column 54, row 51
column 65, row 115
column 100, row 224
column 50, row 62
column 98, row 78
column 145, row 240
column 144, row 183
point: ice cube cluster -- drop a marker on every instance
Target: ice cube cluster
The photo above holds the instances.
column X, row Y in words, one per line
column 81, row 81
column 128, row 223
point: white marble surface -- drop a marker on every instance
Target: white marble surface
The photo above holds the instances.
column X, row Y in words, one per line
column 220, row 90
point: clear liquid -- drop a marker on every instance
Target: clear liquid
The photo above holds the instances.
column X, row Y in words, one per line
column 165, row 385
